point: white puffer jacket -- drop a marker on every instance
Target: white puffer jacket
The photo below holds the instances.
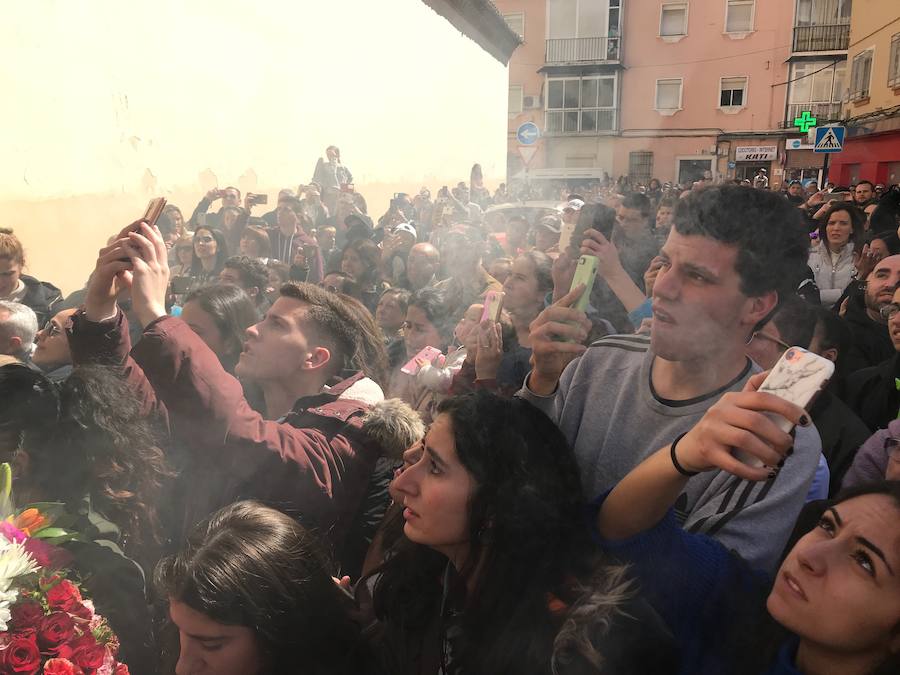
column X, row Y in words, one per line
column 832, row 277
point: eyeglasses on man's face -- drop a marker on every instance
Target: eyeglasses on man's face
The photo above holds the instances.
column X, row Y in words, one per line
column 761, row 334
column 888, row 312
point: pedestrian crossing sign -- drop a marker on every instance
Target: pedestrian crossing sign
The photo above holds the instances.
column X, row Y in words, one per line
column 829, row 139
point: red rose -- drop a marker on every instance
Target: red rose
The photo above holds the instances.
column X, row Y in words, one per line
column 121, row 669
column 86, row 639
column 90, row 657
column 55, row 631
column 64, row 597
column 27, row 614
column 61, row 667
column 21, row 657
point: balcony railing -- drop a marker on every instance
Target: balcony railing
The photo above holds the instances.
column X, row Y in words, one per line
column 823, row 112
column 822, row 38
column 582, row 122
column 577, row 50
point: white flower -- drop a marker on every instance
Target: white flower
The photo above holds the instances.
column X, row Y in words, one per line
column 5, row 616
column 14, row 562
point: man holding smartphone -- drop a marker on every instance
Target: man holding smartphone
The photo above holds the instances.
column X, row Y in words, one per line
column 731, row 254
column 230, row 196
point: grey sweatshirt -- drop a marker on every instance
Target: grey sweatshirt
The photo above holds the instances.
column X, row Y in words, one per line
column 609, row 414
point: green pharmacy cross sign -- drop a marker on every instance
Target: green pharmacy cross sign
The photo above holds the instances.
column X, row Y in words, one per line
column 805, row 121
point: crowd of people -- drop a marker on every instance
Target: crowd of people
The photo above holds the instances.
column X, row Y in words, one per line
column 312, row 440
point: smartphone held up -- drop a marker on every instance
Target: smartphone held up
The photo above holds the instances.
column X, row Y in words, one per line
column 797, row 378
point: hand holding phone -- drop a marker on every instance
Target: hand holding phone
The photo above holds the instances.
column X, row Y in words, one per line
column 585, row 274
column 425, row 355
column 493, row 305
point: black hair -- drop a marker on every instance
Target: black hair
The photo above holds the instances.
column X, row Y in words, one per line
column 796, row 321
column 638, row 202
column 261, row 237
column 252, row 271
column 221, row 251
column 233, row 311
column 402, row 295
column 528, row 539
column 433, row 304
column 543, row 270
column 253, row 566
column 767, row 230
column 857, row 222
column 886, row 218
column 344, row 325
column 866, row 182
column 370, row 255
column 92, row 425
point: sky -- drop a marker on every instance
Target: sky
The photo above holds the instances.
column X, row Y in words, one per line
column 141, row 97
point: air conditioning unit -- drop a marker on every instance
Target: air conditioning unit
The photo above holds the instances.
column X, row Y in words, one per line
column 531, row 102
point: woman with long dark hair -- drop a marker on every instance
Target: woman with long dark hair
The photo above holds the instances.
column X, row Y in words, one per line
column 250, row 594
column 87, row 444
column 210, row 254
column 840, row 233
column 361, row 259
column 220, row 314
column 496, row 571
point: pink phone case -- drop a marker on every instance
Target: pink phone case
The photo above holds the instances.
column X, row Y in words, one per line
column 428, row 354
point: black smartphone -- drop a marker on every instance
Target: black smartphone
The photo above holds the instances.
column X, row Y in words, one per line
column 593, row 217
column 180, row 285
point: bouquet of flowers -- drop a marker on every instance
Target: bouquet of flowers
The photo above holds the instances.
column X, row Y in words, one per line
column 46, row 624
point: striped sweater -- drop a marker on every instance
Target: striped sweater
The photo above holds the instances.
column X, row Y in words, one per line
column 610, row 415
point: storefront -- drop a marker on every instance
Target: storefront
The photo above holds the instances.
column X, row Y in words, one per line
column 874, row 157
column 747, row 160
column 804, row 165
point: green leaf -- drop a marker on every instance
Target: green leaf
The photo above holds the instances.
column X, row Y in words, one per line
column 53, row 532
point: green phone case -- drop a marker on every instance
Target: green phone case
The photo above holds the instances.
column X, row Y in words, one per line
column 585, row 273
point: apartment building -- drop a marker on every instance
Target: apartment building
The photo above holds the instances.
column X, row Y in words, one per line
column 565, row 78
column 704, row 89
column 872, row 100
column 818, row 75
column 674, row 89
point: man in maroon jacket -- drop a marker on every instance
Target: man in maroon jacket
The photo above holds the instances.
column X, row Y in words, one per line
column 316, row 460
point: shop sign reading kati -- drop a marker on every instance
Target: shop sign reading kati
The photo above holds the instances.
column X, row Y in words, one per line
column 755, row 153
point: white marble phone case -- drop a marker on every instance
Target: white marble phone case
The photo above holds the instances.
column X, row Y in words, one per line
column 797, row 377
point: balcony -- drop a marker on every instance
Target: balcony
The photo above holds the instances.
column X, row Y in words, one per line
column 823, row 112
column 581, row 50
column 822, row 38
column 580, row 122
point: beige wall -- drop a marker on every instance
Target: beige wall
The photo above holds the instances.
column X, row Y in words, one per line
column 107, row 104
column 872, row 25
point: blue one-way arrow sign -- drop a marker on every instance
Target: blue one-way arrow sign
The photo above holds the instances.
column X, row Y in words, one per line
column 829, row 139
column 528, row 133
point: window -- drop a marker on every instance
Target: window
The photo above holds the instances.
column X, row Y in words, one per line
column 732, row 92
column 894, row 64
column 516, row 22
column 823, row 12
column 581, row 105
column 673, row 20
column 577, row 18
column 817, row 82
column 515, row 99
column 668, row 95
column 739, row 16
column 860, row 75
column 640, row 166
